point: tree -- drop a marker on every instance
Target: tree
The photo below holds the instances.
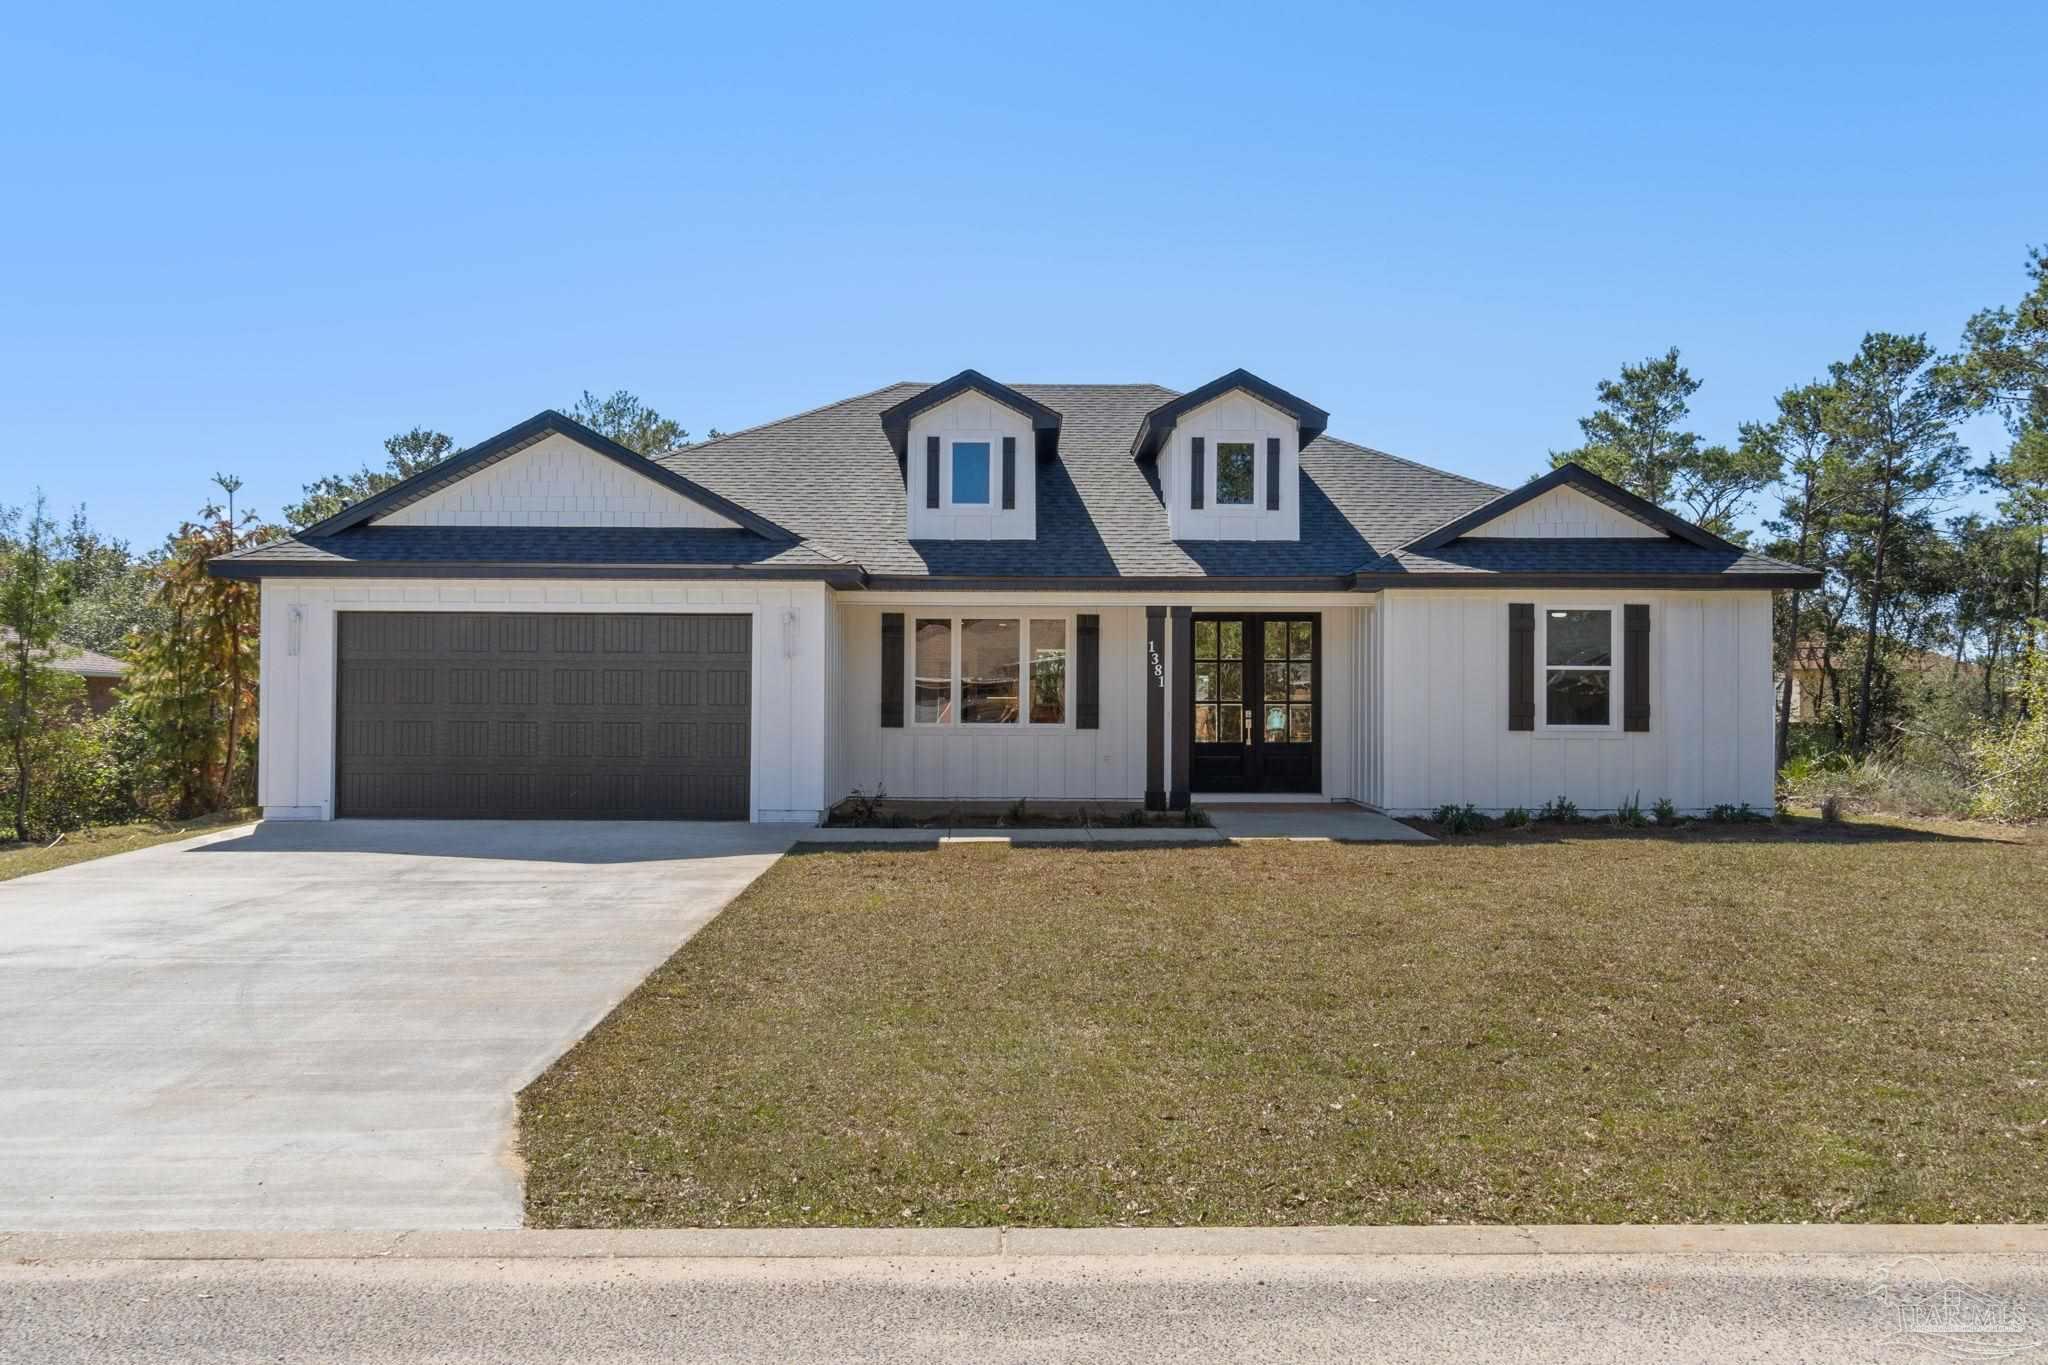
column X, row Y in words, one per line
column 110, row 589
column 194, row 681
column 2003, row 367
column 1800, row 444
column 630, row 422
column 1636, row 439
column 406, row 454
column 1892, row 423
column 34, row 585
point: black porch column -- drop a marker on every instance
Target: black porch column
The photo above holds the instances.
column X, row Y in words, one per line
column 1182, row 675
column 1155, row 708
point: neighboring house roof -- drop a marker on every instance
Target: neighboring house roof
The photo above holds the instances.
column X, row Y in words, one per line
column 85, row 663
column 829, row 488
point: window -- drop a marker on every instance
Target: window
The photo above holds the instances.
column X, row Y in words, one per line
column 1578, row 667
column 970, row 472
column 1048, row 672
column 991, row 670
column 1221, row 716
column 1288, row 693
column 988, row 672
column 1233, row 473
column 934, row 673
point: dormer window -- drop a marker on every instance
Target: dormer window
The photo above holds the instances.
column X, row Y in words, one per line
column 1234, row 476
column 970, row 473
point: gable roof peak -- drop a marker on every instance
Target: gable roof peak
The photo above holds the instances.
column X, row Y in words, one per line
column 510, row 442
column 1045, row 423
column 1310, row 420
column 1577, row 477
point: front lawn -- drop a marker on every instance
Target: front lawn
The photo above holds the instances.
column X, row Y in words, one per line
column 1723, row 1025
column 38, row 855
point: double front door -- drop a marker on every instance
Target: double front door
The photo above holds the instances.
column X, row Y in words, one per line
column 1255, row 703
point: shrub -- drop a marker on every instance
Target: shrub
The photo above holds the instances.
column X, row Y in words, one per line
column 1664, row 812
column 1728, row 813
column 1559, row 810
column 2013, row 762
column 1514, row 817
column 1455, row 819
column 861, row 807
column 1629, row 814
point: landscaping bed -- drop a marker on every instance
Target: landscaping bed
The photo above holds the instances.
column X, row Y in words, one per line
column 1729, row 1023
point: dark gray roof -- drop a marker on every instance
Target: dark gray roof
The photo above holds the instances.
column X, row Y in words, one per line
column 1673, row 563
column 393, row 550
column 830, row 479
column 831, row 476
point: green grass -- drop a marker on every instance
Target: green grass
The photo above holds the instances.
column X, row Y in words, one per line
column 1750, row 1023
column 20, row 860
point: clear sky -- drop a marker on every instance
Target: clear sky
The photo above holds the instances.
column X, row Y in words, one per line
column 263, row 238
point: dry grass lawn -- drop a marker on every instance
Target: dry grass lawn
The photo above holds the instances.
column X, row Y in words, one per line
column 1740, row 1024
column 19, row 860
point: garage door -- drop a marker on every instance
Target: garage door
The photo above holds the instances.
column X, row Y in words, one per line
column 503, row 715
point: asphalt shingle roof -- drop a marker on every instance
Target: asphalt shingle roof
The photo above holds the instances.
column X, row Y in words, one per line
column 830, row 477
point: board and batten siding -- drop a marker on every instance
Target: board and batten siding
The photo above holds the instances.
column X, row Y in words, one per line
column 786, row 780
column 1560, row 514
column 964, row 763
column 1441, row 674
column 555, row 482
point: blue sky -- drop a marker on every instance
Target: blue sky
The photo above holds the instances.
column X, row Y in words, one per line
column 260, row 240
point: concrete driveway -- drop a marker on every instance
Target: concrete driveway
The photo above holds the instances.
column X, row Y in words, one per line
column 322, row 1025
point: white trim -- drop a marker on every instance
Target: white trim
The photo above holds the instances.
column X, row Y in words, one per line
column 1544, row 668
column 955, row 618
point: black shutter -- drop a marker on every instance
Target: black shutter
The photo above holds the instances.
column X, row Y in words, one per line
column 1195, row 470
column 931, row 471
column 1009, row 472
column 1635, row 667
column 892, row 670
column 1088, row 672
column 1272, row 473
column 1521, row 665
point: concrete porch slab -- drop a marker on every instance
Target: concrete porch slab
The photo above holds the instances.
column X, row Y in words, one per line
column 1320, row 821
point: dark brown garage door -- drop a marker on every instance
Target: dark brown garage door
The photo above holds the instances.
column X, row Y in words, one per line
column 515, row 715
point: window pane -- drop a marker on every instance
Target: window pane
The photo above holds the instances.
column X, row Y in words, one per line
column 1231, row 727
column 988, row 672
column 1205, row 725
column 1301, row 724
column 1233, row 473
column 1230, row 640
column 934, row 671
column 1301, row 681
column 1205, row 639
column 1276, row 639
column 1575, row 697
column 1230, row 681
column 1048, row 672
column 1205, row 682
column 1276, row 725
column 970, row 472
column 1276, row 683
column 1578, row 637
column 1302, row 641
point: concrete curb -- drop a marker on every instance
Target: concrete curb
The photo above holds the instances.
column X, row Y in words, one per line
column 933, row 838
column 1755, row 1239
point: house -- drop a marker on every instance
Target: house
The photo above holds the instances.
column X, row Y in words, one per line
column 974, row 590
column 1819, row 676
column 101, row 673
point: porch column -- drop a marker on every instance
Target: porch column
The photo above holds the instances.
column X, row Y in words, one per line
column 1155, row 708
column 1182, row 675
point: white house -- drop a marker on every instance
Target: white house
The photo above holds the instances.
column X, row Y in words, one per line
column 1096, row 592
